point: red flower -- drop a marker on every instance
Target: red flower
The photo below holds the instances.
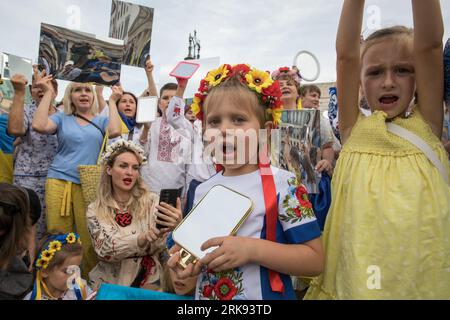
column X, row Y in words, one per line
column 203, row 86
column 241, row 68
column 302, row 196
column 298, row 213
column 208, row 290
column 200, row 96
column 273, row 91
column 284, row 69
column 225, row 289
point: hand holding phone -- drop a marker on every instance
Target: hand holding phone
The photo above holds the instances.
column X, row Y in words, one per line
column 169, row 197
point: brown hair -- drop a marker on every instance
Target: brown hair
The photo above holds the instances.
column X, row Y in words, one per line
column 168, row 86
column 67, row 250
column 239, row 95
column 309, row 88
column 383, row 34
column 14, row 222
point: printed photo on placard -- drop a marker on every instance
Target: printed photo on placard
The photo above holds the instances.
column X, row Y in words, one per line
column 7, row 95
column 296, row 146
column 79, row 57
column 133, row 24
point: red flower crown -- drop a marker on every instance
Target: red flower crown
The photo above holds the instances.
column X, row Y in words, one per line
column 259, row 82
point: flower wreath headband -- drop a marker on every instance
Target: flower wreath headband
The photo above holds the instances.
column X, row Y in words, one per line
column 55, row 244
column 259, row 82
column 293, row 73
column 123, row 144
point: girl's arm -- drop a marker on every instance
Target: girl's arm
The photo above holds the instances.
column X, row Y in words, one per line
column 114, row 125
column 41, row 122
column 348, row 65
column 428, row 33
column 16, row 126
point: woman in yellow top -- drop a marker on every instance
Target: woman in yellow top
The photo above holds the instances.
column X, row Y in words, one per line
column 388, row 230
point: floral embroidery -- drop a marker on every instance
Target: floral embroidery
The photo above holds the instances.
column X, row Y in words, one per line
column 296, row 203
column 225, row 285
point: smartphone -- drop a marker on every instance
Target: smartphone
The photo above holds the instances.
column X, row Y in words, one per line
column 184, row 70
column 147, row 109
column 170, row 197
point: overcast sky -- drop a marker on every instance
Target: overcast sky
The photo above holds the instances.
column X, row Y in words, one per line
column 266, row 34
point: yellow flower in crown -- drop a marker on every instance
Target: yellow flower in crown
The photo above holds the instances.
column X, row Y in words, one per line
column 42, row 264
column 258, row 80
column 71, row 238
column 55, row 246
column 79, row 241
column 195, row 106
column 47, row 255
column 215, row 77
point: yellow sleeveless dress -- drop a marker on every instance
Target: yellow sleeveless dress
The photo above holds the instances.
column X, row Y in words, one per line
column 387, row 234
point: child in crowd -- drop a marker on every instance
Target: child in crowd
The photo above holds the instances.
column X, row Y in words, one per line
column 387, row 233
column 58, row 275
column 281, row 235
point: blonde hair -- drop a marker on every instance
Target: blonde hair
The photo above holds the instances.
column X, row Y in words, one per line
column 384, row 34
column 239, row 95
column 141, row 199
column 69, row 107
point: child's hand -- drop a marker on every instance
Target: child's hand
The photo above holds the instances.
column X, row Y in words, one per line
column 192, row 269
column 233, row 252
column 168, row 216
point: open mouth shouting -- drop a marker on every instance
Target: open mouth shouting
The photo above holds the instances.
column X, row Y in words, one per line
column 388, row 101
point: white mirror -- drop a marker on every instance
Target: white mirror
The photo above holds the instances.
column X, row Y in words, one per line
column 219, row 213
column 11, row 65
column 147, row 109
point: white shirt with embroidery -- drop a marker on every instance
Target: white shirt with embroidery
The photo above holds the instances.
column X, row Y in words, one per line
column 296, row 224
column 168, row 154
column 199, row 168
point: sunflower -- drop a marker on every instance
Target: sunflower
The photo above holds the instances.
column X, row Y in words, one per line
column 71, row 238
column 215, row 77
column 41, row 264
column 47, row 255
column 258, row 80
column 55, row 246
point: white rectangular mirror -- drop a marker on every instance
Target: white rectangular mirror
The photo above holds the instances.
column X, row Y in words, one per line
column 147, row 109
column 219, row 213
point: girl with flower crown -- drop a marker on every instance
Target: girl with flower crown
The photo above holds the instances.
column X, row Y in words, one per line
column 122, row 221
column 57, row 268
column 388, row 230
column 281, row 236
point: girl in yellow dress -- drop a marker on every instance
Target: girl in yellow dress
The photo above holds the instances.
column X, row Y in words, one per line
column 387, row 235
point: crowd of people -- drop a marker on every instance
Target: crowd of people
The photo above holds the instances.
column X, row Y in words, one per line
column 377, row 226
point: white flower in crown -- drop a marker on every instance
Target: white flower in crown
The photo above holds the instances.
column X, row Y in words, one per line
column 120, row 144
